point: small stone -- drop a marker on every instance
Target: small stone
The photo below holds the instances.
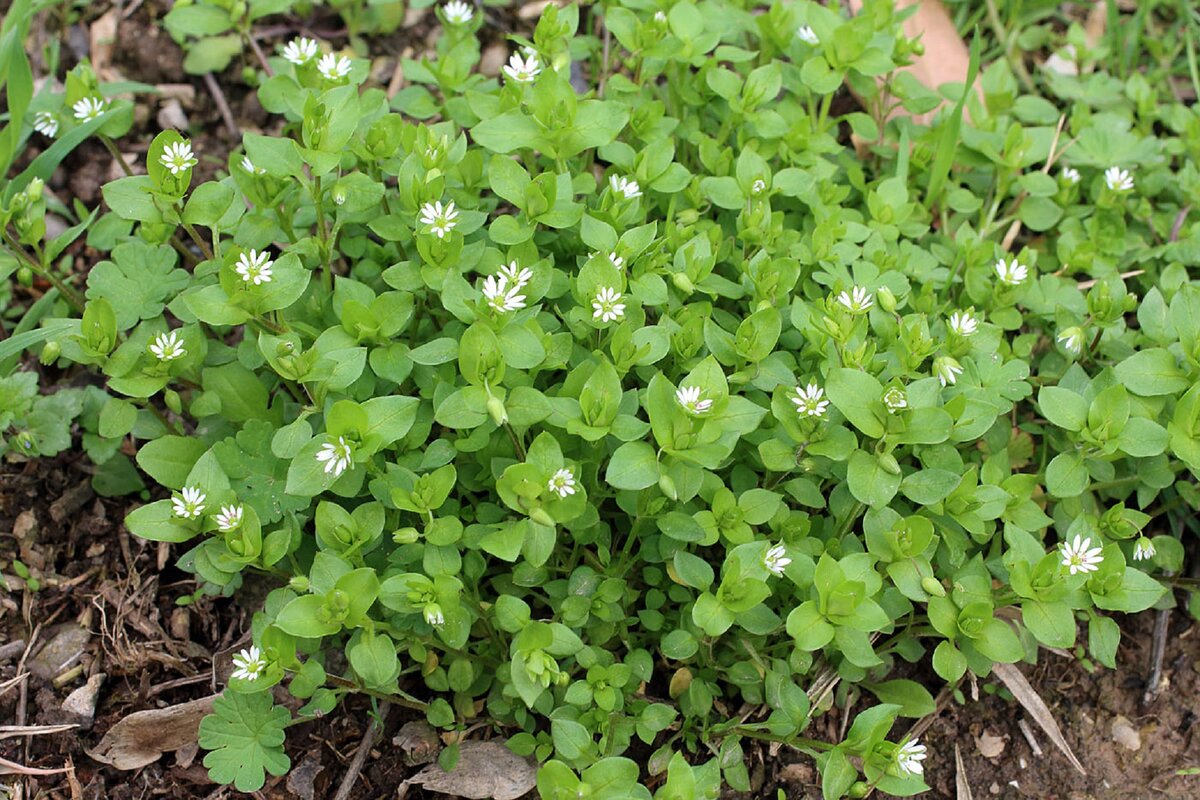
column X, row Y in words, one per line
column 492, row 59
column 82, row 702
column 60, row 652
column 1124, row 734
column 990, row 745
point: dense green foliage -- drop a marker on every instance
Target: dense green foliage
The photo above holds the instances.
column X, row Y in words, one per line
column 638, row 419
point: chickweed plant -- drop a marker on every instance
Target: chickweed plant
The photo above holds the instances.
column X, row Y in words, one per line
column 646, row 420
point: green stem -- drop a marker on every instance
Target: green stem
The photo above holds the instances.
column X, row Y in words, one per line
column 64, row 289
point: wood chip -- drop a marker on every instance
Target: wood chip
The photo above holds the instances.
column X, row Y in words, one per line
column 140, row 738
column 1028, row 697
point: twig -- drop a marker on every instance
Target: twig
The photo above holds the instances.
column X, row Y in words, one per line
column 218, row 97
column 360, row 757
column 1177, row 226
column 1027, row 732
column 11, row 649
column 1158, row 650
column 21, row 769
column 1085, row 285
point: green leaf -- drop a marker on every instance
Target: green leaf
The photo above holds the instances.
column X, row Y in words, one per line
column 1066, row 476
column 858, row 396
column 137, row 281
column 169, row 459
column 632, row 466
column 869, row 482
column 1062, row 407
column 913, row 698
column 1152, row 372
column 157, row 523
column 245, row 734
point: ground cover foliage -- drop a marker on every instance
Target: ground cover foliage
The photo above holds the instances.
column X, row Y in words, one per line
column 631, row 412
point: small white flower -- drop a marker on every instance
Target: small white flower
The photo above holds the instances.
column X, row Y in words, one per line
column 660, row 16
column 776, row 560
column 440, row 220
column 758, row 187
column 1117, row 179
column 606, row 307
column 1069, row 175
column 500, row 296
column 250, row 664
column 857, row 300
column 457, row 12
column 190, row 503
column 689, row 398
column 333, row 67
column 177, row 157
column 963, row 324
column 433, row 614
column 625, row 187
column 895, row 399
column 254, row 267
column 300, row 51
column 229, row 518
column 1012, row 272
column 167, row 346
column 810, row 401
column 562, row 483
column 909, row 758
column 522, row 70
column 336, row 456
column 806, row 34
column 45, row 123
column 89, row 108
column 616, row 260
column 1072, row 340
column 1077, row 557
column 947, row 370
column 248, row 165
column 1143, row 550
column 518, row 276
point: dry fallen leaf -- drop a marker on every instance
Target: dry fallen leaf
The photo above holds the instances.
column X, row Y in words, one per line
column 484, row 770
column 143, row 736
column 989, row 744
column 961, row 785
column 1016, row 682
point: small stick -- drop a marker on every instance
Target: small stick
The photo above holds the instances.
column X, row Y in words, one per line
column 1180, row 218
column 1028, row 734
column 360, row 757
column 1158, row 650
column 218, row 97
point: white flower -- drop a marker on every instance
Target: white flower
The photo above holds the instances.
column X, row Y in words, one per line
column 248, row 165
column 616, row 260
column 1078, row 558
column 947, row 370
column 177, row 157
column 1012, row 272
column 758, row 187
column 1143, row 550
column 810, row 401
column 660, row 16
column 433, row 614
column 895, row 399
column 45, row 123
column 1072, row 340
column 333, row 67
column 300, row 51
column 776, row 560
column 806, row 34
column 522, row 70
column 909, row 758
column 167, row 346
column 229, row 518
column 1117, row 179
column 606, row 307
column 89, row 108
column 500, row 296
column 516, row 275
column 457, row 12
column 963, row 324
column 250, row 664
column 440, row 220
column 336, row 456
column 562, row 483
column 857, row 300
column 623, row 186
column 190, row 504
column 689, row 398
column 1069, row 175
column 254, row 267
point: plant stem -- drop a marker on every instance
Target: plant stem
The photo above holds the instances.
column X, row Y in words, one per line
column 68, row 293
column 115, row 153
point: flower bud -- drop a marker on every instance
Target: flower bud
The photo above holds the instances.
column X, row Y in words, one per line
column 171, row 398
column 887, row 300
column 540, row 516
column 889, row 463
column 933, row 586
column 25, row 443
column 859, row 789
column 667, row 486
column 25, row 276
column 406, row 536
column 495, row 409
column 682, row 282
column 50, row 353
column 299, row 583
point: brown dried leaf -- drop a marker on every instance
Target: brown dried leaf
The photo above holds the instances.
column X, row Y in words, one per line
column 1021, row 689
column 484, row 770
column 140, row 738
column 961, row 786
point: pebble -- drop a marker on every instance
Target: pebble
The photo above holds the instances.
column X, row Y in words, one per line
column 61, row 652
